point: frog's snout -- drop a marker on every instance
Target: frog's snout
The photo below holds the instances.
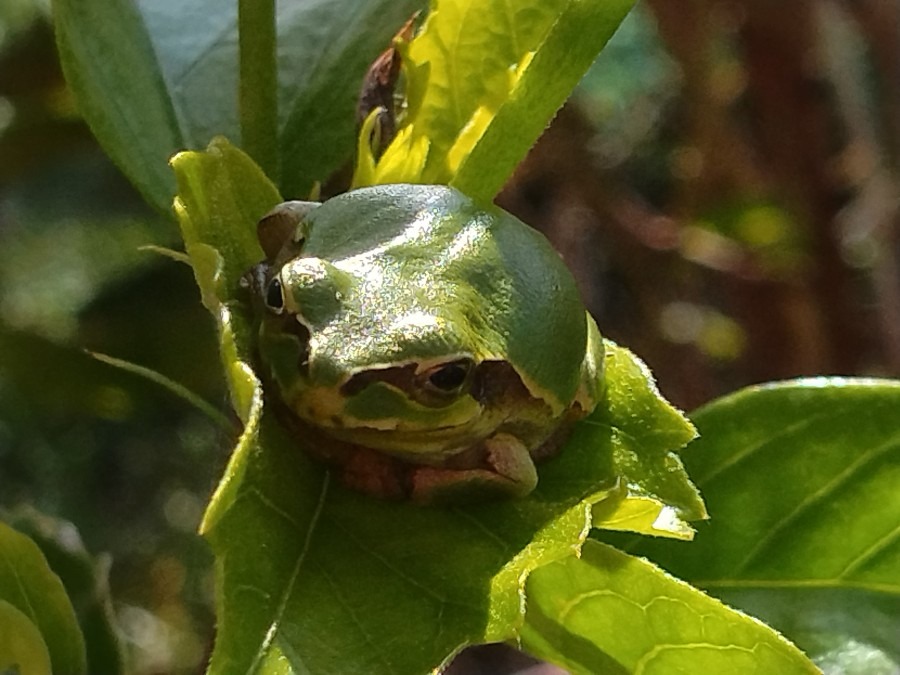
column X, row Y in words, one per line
column 316, row 289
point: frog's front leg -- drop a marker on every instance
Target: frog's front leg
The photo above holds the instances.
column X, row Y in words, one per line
column 507, row 470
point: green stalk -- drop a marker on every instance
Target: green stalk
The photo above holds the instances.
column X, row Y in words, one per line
column 258, row 95
column 182, row 392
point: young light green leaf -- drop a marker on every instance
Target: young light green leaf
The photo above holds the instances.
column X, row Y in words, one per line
column 221, row 196
column 153, row 77
column 641, row 514
column 655, row 497
column 609, row 613
column 28, row 584
column 331, row 580
column 483, row 80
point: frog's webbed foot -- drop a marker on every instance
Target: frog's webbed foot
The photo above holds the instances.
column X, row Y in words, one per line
column 507, row 471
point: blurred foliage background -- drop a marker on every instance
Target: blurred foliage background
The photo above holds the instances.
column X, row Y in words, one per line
column 724, row 186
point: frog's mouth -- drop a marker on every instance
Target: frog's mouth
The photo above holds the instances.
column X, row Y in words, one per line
column 388, row 410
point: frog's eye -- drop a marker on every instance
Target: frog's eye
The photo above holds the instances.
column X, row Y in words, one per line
column 275, row 296
column 449, row 378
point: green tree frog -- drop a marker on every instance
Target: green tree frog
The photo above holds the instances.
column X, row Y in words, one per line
column 426, row 348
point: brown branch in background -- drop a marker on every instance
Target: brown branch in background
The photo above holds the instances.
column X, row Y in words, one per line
column 799, row 140
column 779, row 316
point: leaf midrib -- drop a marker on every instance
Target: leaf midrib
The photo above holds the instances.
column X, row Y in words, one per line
column 275, row 626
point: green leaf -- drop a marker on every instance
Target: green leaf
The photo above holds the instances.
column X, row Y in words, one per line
column 483, row 81
column 608, row 613
column 86, row 583
column 22, row 649
column 330, row 46
column 334, row 581
column 28, row 584
column 655, row 496
column 153, row 77
column 801, row 480
column 109, row 62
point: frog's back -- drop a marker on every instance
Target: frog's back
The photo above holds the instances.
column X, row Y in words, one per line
column 489, row 273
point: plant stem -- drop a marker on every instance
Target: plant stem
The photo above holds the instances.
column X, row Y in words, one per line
column 258, row 95
column 182, row 392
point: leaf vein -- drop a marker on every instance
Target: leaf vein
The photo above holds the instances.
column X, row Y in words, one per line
column 739, row 457
column 650, row 655
column 289, row 587
column 880, row 545
column 814, row 498
column 481, row 527
column 390, row 566
column 277, row 510
column 375, row 647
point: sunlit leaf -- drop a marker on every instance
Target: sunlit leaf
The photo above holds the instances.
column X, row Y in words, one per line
column 483, row 80
column 641, row 514
column 333, row 581
column 655, row 495
column 609, row 613
column 801, row 480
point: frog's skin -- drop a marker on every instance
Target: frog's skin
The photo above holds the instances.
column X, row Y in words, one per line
column 423, row 346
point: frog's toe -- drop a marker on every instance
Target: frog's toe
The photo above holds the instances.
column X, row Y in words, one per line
column 508, row 472
column 510, row 461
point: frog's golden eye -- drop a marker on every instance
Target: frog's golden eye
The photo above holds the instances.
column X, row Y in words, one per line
column 449, row 378
column 275, row 296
